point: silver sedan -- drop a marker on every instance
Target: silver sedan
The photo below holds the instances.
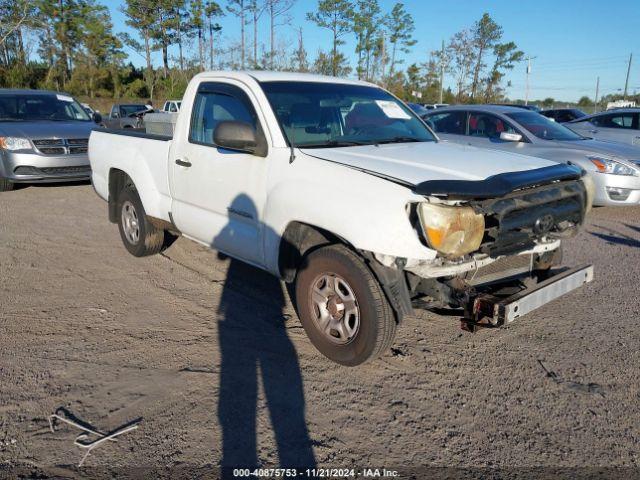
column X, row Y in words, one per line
column 614, row 167
column 622, row 125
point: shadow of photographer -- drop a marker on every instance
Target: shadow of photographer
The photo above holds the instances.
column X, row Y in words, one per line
column 254, row 346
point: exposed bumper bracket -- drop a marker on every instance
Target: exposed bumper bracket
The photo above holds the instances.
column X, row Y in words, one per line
column 490, row 310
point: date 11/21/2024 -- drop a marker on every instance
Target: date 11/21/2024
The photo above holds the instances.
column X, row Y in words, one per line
column 315, row 473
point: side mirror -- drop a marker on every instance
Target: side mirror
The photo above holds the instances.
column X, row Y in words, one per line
column 115, row 115
column 97, row 118
column 239, row 136
column 510, row 137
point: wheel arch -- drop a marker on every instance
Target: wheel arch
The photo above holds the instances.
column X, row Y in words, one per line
column 118, row 179
column 299, row 239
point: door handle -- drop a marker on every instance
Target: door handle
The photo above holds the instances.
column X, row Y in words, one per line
column 593, row 131
column 183, row 163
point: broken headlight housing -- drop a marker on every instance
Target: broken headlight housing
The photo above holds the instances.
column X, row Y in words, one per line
column 451, row 230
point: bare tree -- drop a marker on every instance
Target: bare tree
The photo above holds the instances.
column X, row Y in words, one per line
column 211, row 11
column 239, row 8
column 278, row 11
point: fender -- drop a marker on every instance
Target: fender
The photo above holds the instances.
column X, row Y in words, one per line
column 349, row 204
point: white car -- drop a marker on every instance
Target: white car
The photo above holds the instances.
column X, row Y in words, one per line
column 338, row 187
column 171, row 106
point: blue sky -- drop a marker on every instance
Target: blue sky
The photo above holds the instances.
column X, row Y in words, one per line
column 574, row 41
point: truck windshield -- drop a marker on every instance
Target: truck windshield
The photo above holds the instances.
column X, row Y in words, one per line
column 317, row 115
column 542, row 127
column 53, row 107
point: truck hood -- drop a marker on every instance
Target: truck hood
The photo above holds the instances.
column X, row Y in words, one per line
column 415, row 163
column 46, row 129
column 610, row 149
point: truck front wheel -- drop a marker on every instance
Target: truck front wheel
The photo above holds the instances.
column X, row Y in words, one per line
column 342, row 306
column 140, row 237
column 5, row 185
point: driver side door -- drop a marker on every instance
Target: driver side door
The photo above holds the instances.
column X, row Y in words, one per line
column 218, row 194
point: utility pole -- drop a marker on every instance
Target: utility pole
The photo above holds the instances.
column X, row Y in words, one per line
column 442, row 72
column 526, row 94
column 595, row 106
column 626, row 82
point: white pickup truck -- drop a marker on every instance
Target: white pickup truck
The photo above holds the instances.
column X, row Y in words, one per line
column 337, row 187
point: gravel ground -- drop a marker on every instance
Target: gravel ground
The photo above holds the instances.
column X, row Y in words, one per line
column 210, row 356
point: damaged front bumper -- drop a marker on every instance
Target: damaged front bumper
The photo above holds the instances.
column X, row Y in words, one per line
column 496, row 310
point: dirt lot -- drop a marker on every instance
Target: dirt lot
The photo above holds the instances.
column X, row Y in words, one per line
column 212, row 358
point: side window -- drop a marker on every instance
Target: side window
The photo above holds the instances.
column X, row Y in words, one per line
column 448, row 122
column 623, row 121
column 213, row 106
column 614, row 120
column 172, row 107
column 487, row 126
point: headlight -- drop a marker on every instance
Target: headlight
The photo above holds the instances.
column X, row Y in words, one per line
column 452, row 231
column 606, row 165
column 14, row 143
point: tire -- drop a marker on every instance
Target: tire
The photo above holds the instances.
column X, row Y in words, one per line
column 335, row 282
column 5, row 185
column 140, row 237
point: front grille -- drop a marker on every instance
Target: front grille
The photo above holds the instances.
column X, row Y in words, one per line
column 80, row 170
column 61, row 146
column 52, row 150
column 48, row 142
column 514, row 223
column 78, row 141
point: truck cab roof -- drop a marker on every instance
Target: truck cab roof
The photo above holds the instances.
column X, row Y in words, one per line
column 268, row 76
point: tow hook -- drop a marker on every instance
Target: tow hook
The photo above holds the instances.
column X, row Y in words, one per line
column 480, row 313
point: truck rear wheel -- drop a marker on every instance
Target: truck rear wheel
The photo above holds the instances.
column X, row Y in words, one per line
column 342, row 307
column 5, row 185
column 140, row 237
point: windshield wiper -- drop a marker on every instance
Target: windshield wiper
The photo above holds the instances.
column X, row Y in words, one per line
column 334, row 143
column 399, row 139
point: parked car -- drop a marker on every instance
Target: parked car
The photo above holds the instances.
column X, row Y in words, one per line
column 433, row 106
column 88, row 109
column 563, row 115
column 43, row 138
column 339, row 188
column 171, row 106
column 615, row 168
column 126, row 115
column 533, row 108
column 620, row 125
column 418, row 109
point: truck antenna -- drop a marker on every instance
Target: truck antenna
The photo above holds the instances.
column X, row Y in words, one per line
column 292, row 157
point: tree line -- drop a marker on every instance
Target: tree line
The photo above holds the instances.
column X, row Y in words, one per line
column 71, row 45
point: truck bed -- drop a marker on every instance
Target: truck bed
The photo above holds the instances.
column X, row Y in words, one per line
column 142, row 156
